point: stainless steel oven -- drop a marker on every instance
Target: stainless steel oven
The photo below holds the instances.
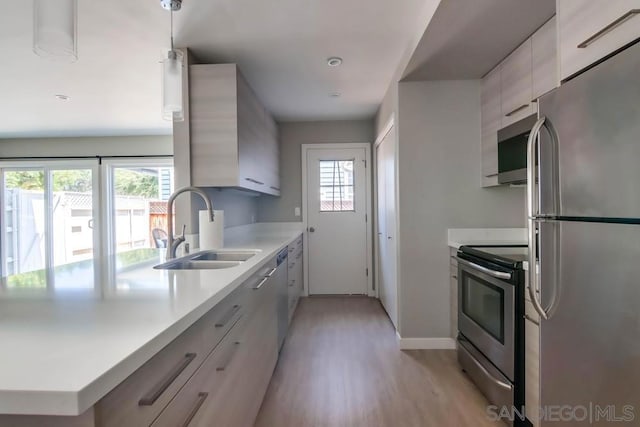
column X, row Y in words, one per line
column 486, row 312
column 491, row 321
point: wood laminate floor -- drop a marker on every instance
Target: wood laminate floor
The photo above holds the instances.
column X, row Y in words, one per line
column 341, row 366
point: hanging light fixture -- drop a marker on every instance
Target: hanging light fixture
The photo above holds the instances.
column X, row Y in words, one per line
column 55, row 26
column 172, row 63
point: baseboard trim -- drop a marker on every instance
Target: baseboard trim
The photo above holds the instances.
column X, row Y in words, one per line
column 426, row 343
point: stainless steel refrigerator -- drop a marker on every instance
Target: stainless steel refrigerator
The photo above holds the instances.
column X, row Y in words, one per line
column 584, row 227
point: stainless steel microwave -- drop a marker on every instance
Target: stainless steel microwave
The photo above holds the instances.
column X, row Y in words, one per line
column 512, row 151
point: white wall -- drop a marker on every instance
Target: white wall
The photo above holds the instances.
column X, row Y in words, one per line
column 292, row 136
column 438, row 125
column 161, row 145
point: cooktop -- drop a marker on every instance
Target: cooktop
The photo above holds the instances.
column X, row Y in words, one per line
column 511, row 256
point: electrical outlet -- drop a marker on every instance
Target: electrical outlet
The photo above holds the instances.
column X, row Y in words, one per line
column 296, row 211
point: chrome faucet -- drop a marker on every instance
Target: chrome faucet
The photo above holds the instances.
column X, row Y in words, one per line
column 174, row 241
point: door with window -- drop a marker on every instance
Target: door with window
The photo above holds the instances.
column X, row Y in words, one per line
column 336, row 214
column 386, row 225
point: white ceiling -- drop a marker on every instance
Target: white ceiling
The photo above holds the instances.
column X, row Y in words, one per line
column 465, row 39
column 280, row 45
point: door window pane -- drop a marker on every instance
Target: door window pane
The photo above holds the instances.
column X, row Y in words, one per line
column 72, row 215
column 337, row 186
column 24, row 221
column 140, row 204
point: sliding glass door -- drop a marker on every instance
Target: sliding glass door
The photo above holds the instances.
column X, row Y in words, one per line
column 48, row 219
column 57, row 217
column 24, row 234
column 137, row 193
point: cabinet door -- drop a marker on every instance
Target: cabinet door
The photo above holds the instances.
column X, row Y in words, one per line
column 532, row 364
column 544, row 59
column 515, row 85
column 251, row 134
column 491, row 119
column 590, row 30
column 271, row 161
column 213, row 121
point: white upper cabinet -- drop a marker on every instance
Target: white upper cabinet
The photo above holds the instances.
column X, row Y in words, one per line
column 544, row 59
column 491, row 120
column 509, row 92
column 589, row 30
column 516, row 93
column 234, row 139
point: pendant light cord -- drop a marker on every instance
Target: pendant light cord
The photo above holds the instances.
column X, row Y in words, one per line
column 172, row 30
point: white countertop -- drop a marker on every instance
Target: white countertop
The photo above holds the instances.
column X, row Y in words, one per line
column 69, row 340
column 487, row 236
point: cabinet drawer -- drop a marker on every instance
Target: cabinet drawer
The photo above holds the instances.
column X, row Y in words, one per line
column 228, row 389
column 139, row 399
column 218, row 321
column 206, row 387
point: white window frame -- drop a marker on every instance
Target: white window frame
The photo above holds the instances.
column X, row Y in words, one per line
column 49, row 166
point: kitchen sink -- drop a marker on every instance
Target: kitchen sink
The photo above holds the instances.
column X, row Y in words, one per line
column 222, row 256
column 208, row 260
column 196, row 265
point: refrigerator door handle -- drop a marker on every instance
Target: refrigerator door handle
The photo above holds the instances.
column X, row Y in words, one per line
column 533, row 271
column 532, row 208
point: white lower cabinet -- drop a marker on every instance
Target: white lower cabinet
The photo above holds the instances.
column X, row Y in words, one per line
column 214, row 373
column 295, row 275
column 453, row 290
column 532, row 364
column 228, row 388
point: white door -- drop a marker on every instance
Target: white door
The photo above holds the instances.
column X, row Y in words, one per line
column 386, row 225
column 336, row 218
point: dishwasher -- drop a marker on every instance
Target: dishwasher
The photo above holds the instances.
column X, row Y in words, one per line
column 279, row 278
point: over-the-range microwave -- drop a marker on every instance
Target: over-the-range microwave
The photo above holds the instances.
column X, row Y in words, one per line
column 512, row 151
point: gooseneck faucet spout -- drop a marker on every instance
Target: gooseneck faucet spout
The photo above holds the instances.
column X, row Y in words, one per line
column 174, row 241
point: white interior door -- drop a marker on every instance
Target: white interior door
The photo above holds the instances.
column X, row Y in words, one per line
column 336, row 217
column 386, row 224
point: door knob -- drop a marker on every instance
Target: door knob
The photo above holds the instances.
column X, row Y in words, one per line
column 311, row 229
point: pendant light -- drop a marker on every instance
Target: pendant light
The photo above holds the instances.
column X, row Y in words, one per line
column 172, row 64
column 55, row 26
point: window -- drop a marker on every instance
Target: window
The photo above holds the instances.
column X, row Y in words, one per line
column 51, row 212
column 139, row 192
column 337, row 186
column 23, row 231
column 48, row 209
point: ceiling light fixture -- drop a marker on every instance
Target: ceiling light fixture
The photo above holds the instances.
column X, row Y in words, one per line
column 172, row 64
column 63, row 97
column 334, row 61
column 55, row 27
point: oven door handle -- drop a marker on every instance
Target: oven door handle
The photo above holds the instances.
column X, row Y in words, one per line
column 490, row 272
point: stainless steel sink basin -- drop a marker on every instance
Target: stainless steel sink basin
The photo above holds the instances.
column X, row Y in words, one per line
column 214, row 255
column 208, row 260
column 196, row 265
